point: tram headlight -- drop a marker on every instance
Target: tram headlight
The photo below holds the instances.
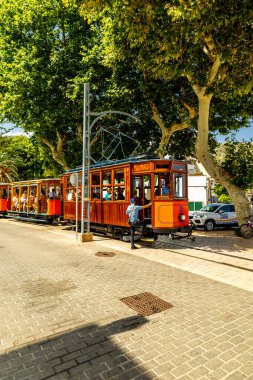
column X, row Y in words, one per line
column 181, row 217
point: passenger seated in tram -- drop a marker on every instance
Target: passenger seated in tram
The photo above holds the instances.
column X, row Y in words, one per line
column 24, row 201
column 166, row 189
column 119, row 194
column 71, row 196
column 108, row 195
column 51, row 194
column 15, row 202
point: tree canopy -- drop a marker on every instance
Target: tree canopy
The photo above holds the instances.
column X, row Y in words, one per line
column 206, row 46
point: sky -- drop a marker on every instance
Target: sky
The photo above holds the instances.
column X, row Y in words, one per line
column 242, row 134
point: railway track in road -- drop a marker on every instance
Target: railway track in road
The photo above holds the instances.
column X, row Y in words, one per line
column 214, row 255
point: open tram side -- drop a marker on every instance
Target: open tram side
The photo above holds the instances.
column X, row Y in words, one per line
column 30, row 200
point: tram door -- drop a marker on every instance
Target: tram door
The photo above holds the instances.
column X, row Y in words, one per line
column 141, row 190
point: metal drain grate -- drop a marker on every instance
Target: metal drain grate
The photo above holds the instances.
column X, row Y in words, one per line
column 105, row 254
column 146, row 304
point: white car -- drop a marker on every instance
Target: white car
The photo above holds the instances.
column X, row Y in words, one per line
column 214, row 215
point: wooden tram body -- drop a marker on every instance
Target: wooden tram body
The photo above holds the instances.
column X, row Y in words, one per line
column 143, row 179
column 30, row 200
column 5, row 198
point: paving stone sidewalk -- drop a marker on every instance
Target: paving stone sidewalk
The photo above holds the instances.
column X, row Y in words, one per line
column 61, row 316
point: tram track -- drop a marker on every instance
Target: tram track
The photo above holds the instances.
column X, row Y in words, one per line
column 171, row 245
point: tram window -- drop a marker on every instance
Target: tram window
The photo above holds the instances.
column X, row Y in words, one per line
column 157, row 186
column 119, row 176
column 71, row 196
column 119, row 193
column 147, row 190
column 95, row 192
column 58, row 191
column 95, row 179
column 162, row 166
column 107, row 193
column 106, row 178
column 178, row 167
column 162, row 184
column 137, row 191
column 179, row 185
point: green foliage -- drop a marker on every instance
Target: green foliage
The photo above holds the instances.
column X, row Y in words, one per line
column 29, row 159
column 238, row 161
column 221, row 193
column 8, row 170
column 43, row 46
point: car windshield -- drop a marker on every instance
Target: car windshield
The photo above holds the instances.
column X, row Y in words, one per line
column 210, row 208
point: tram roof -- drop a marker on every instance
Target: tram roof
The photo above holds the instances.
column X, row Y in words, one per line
column 34, row 181
column 129, row 160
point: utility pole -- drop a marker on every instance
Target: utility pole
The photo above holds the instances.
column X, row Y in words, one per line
column 85, row 216
column 85, row 234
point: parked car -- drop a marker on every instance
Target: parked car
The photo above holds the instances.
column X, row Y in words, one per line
column 214, row 215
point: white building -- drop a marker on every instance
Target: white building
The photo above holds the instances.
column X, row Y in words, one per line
column 199, row 187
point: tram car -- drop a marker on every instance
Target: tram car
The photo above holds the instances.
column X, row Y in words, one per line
column 160, row 181
column 30, row 200
column 5, row 198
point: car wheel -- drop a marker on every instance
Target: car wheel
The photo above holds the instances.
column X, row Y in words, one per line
column 209, row 225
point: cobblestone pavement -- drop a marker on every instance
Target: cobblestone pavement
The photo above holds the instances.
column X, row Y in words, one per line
column 61, row 316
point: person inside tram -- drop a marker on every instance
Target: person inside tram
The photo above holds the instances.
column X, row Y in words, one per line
column 137, row 199
column 119, row 194
column 71, row 195
column 166, row 189
column 51, row 194
column 24, row 201
column 108, row 195
column 15, row 202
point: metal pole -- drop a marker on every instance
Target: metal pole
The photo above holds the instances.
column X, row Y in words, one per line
column 84, row 151
column 88, row 161
column 77, row 182
column 86, row 158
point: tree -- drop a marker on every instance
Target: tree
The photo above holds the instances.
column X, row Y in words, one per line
column 205, row 44
column 44, row 47
column 30, row 160
column 8, row 171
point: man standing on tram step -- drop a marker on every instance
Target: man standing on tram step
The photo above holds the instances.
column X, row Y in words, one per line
column 132, row 211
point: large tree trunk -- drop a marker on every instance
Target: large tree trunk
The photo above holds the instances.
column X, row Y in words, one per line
column 56, row 151
column 207, row 160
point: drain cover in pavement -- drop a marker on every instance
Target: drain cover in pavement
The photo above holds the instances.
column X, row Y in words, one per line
column 105, row 254
column 146, row 304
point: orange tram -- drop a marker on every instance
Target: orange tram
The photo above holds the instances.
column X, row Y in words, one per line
column 5, row 198
column 30, row 200
column 163, row 182
column 160, row 181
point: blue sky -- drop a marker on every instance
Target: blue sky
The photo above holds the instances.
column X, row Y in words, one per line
column 242, row 134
